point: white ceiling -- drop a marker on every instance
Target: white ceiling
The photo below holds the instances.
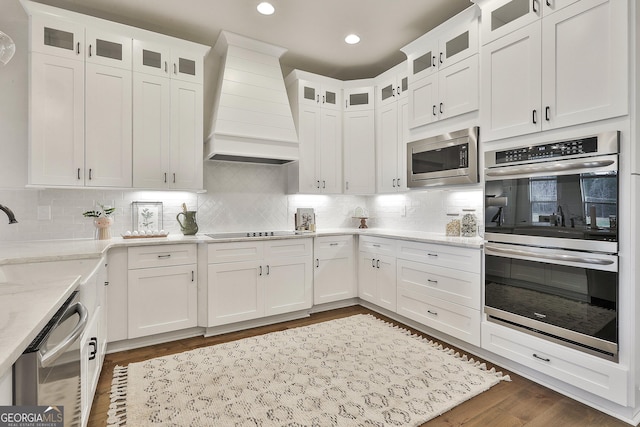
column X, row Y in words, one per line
column 313, row 31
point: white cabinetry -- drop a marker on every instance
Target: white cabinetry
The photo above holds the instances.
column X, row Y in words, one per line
column 359, row 140
column 334, row 273
column 316, row 104
column 253, row 279
column 541, row 76
column 440, row 286
column 391, row 129
column 377, row 271
column 80, row 100
column 162, row 289
column 590, row 373
column 443, row 70
column 168, row 115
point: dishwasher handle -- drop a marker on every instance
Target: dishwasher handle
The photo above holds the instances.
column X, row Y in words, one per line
column 47, row 357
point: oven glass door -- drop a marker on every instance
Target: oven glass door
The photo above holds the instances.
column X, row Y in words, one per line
column 566, row 294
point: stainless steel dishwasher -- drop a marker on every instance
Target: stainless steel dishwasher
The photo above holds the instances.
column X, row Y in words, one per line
column 48, row 373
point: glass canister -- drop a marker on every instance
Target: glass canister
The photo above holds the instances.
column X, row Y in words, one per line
column 453, row 227
column 469, row 224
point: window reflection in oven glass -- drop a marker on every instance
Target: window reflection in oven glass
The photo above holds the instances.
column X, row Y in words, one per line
column 580, row 299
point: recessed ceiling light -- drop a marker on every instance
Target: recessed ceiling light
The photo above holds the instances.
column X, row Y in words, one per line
column 352, row 39
column 266, row 8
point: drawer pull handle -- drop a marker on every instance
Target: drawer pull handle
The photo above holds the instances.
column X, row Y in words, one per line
column 432, row 281
column 192, row 276
column 376, row 246
column 544, row 359
column 434, row 255
column 260, row 270
column 378, row 264
column 93, row 343
column 164, row 256
column 373, row 263
column 333, row 244
column 317, row 262
column 267, row 270
column 435, row 313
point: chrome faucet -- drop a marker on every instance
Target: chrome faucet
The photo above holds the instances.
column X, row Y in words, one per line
column 12, row 217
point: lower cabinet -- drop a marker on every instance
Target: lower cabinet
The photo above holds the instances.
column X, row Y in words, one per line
column 334, row 269
column 440, row 287
column 590, row 373
column 377, row 271
column 254, row 279
column 162, row 289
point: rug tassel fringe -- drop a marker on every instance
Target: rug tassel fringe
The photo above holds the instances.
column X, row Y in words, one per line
column 116, row 415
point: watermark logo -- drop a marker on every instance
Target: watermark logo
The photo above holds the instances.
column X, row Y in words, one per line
column 31, row 416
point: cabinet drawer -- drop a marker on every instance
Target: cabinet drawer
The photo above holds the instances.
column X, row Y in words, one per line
column 441, row 255
column 455, row 286
column 453, row 319
column 235, row 251
column 161, row 256
column 329, row 245
column 377, row 245
column 600, row 377
column 287, row 248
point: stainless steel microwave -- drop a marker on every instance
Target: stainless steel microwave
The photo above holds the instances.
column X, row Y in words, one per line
column 446, row 159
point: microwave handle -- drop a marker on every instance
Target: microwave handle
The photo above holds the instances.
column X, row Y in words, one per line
column 555, row 257
column 556, row 167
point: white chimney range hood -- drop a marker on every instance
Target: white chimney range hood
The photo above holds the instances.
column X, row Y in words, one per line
column 252, row 120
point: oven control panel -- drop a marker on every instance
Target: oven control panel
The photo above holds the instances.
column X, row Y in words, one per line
column 548, row 151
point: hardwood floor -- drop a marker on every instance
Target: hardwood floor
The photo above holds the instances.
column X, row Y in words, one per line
column 517, row 403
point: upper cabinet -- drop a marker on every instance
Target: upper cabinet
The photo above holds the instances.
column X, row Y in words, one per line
column 359, row 139
column 544, row 76
column 391, row 129
column 168, row 115
column 81, row 68
column 443, row 70
column 500, row 17
column 316, row 106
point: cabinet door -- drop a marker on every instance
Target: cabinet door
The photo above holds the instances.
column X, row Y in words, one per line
column 236, row 292
column 358, row 99
column 186, row 164
column 387, row 291
column 331, row 98
column 458, row 88
column 329, row 151
column 89, row 365
column 151, row 121
column 425, row 63
column 309, row 135
column 459, row 42
column 387, row 92
column 288, row 285
column 186, row 66
column 173, row 291
column 107, row 48
column 403, row 136
column 151, row 58
column 334, row 273
column 57, row 37
column 387, row 148
column 56, row 120
column 423, row 101
column 359, row 152
column 367, row 277
column 511, row 85
column 502, row 17
column 309, row 93
column 108, row 143
column 585, row 78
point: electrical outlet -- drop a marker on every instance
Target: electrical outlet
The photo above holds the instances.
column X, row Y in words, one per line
column 44, row 213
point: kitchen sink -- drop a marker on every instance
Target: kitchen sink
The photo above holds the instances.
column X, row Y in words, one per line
column 256, row 234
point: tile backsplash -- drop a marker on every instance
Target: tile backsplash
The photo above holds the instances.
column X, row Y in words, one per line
column 239, row 197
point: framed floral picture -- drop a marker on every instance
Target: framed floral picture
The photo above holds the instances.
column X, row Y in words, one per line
column 146, row 216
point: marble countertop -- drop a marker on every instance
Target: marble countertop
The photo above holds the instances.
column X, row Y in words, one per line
column 25, row 308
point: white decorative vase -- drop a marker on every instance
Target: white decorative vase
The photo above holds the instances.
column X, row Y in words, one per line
column 103, row 227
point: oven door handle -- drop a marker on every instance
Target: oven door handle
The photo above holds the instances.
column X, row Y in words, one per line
column 48, row 357
column 554, row 257
column 554, row 167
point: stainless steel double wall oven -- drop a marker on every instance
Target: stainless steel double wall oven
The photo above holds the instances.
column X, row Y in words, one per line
column 551, row 231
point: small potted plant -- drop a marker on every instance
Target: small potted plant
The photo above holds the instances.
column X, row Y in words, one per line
column 102, row 221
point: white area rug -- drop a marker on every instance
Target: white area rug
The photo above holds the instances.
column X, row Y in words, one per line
column 355, row 371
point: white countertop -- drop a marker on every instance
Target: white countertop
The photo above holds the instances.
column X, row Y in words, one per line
column 25, row 308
